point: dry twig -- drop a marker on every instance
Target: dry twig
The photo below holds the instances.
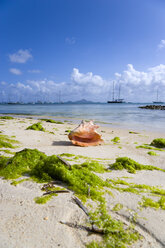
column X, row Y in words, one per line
column 64, row 161
column 79, row 203
column 89, row 229
column 94, row 228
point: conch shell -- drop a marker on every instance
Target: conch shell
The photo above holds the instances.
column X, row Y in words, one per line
column 85, row 135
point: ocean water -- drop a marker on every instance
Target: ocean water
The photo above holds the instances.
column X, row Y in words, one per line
column 118, row 115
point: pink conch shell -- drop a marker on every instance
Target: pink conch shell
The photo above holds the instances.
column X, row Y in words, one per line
column 85, row 135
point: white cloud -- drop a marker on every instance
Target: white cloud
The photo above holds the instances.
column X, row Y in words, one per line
column 152, row 76
column 86, row 86
column 140, row 85
column 161, row 44
column 89, row 86
column 118, row 75
column 22, row 56
column 3, row 83
column 15, row 71
column 86, row 79
column 70, row 40
column 136, row 86
column 34, row 71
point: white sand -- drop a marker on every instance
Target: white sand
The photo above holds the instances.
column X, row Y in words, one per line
column 23, row 223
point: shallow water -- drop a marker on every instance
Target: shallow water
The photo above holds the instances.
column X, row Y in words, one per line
column 119, row 115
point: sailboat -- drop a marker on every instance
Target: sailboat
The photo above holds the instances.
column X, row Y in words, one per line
column 157, row 99
column 118, row 100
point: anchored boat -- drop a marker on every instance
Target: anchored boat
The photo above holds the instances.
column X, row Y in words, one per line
column 118, row 100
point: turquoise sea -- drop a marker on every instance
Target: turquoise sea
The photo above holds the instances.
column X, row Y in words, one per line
column 125, row 115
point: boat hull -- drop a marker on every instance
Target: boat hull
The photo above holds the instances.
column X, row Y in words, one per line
column 115, row 101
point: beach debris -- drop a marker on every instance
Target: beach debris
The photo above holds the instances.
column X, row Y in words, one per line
column 50, row 185
column 81, row 227
column 133, row 132
column 79, row 203
column 85, row 135
column 47, row 185
column 93, row 228
column 64, row 161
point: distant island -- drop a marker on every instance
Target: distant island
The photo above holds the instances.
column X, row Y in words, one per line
column 82, row 101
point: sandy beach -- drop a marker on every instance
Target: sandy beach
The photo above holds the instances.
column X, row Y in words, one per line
column 27, row 224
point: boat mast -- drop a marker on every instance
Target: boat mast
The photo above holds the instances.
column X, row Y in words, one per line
column 119, row 90
column 113, row 93
column 59, row 97
column 157, row 95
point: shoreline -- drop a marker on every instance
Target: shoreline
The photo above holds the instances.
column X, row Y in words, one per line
column 33, row 225
column 74, row 120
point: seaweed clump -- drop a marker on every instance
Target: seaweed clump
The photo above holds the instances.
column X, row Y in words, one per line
column 159, row 143
column 7, row 151
column 146, row 146
column 67, row 131
column 22, row 162
column 136, row 188
column 37, row 127
column 115, row 234
column 115, row 139
column 52, row 121
column 43, row 199
column 79, row 178
column 6, row 117
column 152, row 153
column 45, row 168
column 131, row 166
column 148, row 202
column 7, row 142
column 117, row 207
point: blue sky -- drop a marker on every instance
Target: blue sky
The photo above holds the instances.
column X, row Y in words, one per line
column 79, row 47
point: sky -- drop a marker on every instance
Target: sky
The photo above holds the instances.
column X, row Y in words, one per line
column 53, row 50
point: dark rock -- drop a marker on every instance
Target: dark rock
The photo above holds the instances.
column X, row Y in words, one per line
column 158, row 107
